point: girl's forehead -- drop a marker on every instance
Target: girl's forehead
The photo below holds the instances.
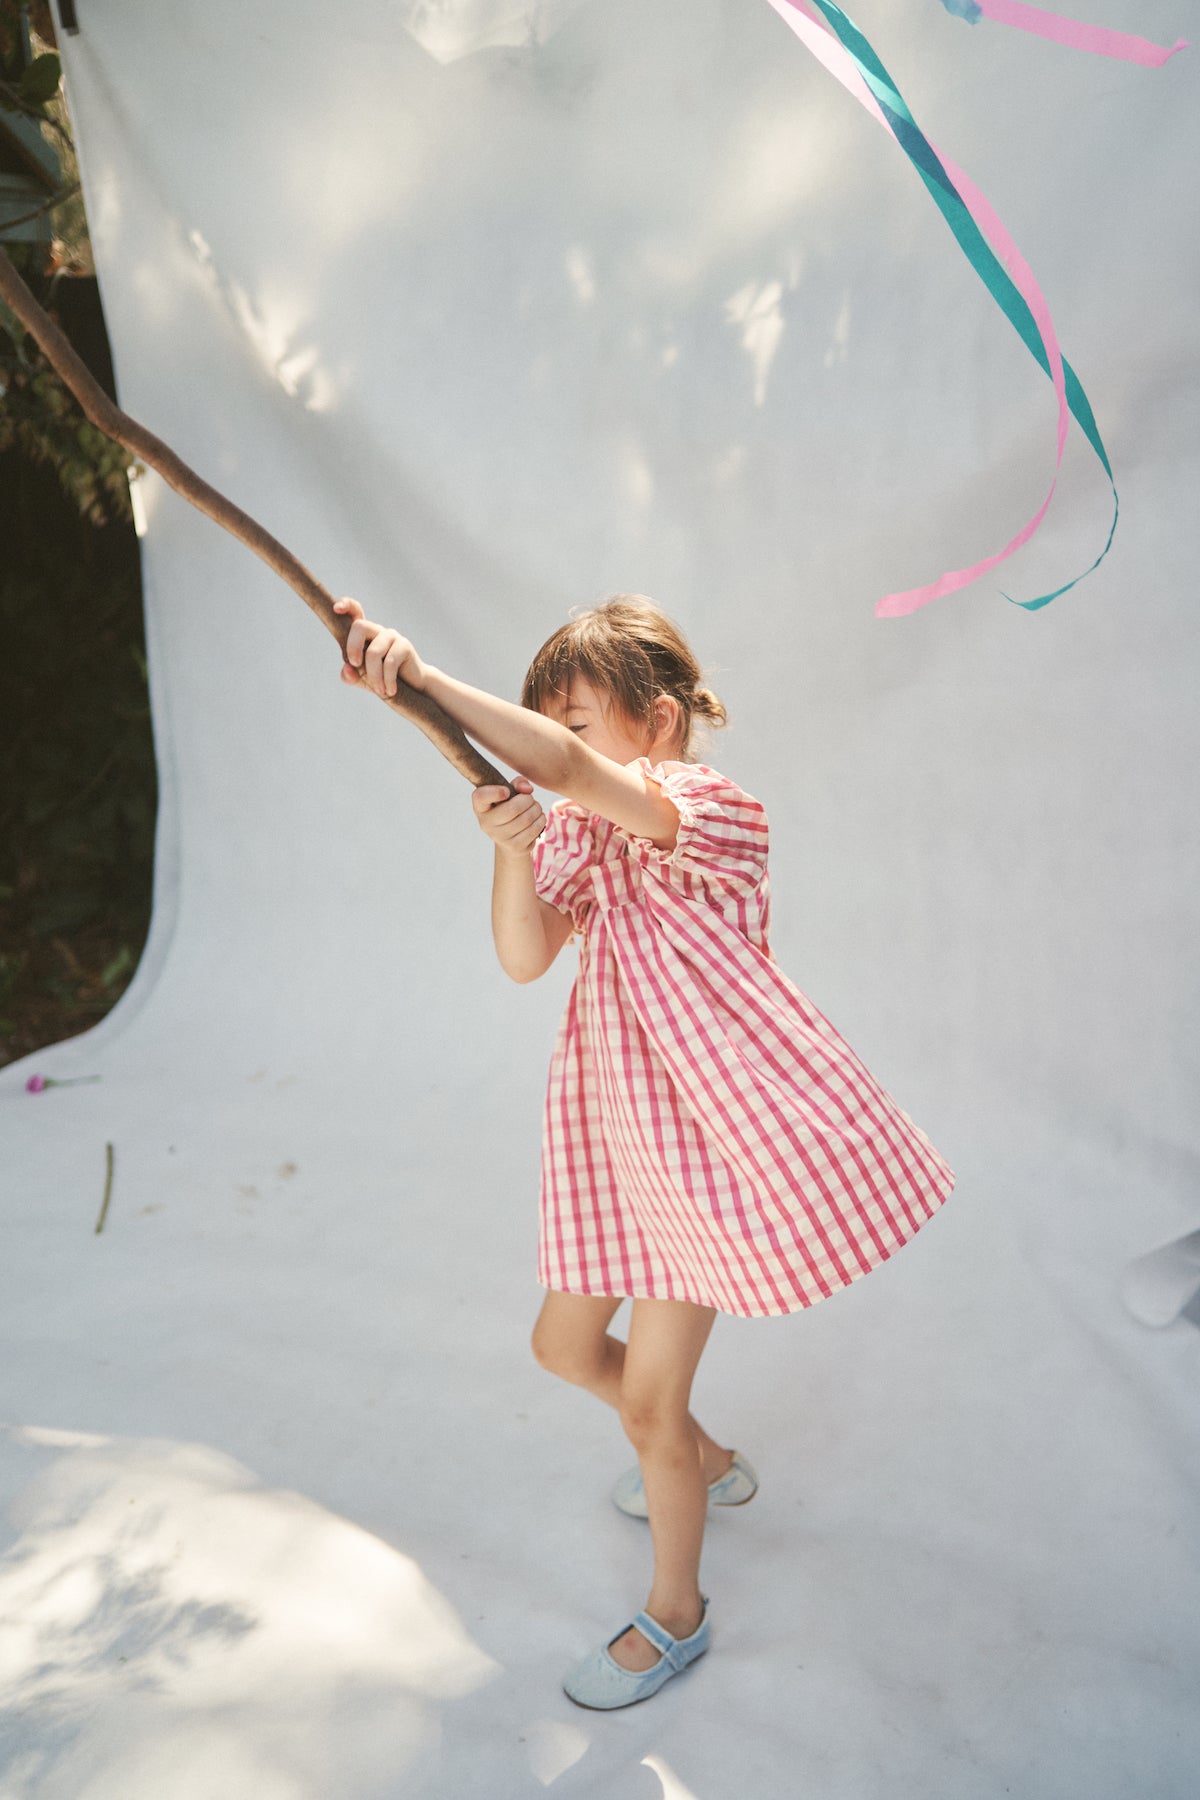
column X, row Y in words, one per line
column 577, row 693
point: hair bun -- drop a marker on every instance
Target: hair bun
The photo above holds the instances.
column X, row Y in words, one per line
column 706, row 706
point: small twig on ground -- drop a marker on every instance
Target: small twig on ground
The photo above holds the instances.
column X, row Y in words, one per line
column 108, row 1175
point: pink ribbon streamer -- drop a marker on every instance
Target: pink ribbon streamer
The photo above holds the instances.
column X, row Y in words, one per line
column 828, row 51
column 1095, row 38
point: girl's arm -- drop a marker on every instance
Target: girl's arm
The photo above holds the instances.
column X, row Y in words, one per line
column 527, row 931
column 546, row 752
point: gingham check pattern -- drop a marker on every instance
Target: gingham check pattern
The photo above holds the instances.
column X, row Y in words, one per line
column 708, row 1134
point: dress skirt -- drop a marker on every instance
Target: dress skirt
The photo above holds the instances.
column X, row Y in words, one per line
column 708, row 1134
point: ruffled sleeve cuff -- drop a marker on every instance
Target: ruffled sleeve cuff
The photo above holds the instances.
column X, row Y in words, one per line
column 562, row 858
column 722, row 839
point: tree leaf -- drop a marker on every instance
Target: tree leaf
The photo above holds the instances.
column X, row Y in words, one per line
column 117, row 966
column 40, row 81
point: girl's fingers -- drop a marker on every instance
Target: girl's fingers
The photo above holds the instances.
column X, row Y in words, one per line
column 354, row 643
column 505, row 811
column 510, row 821
column 374, row 654
column 394, row 662
column 517, row 831
column 387, row 654
column 377, row 649
column 361, row 633
column 353, row 650
column 491, row 795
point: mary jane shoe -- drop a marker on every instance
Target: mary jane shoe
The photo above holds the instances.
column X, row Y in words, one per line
column 601, row 1683
column 738, row 1484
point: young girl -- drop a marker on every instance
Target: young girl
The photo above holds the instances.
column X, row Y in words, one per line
column 711, row 1143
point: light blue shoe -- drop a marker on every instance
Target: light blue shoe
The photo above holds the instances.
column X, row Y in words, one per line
column 602, row 1684
column 738, row 1484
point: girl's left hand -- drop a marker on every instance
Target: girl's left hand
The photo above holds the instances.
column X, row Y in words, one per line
column 382, row 655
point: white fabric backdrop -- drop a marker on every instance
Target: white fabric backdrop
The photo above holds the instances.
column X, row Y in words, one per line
column 489, row 309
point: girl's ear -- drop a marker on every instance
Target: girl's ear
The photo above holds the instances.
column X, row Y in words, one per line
column 667, row 716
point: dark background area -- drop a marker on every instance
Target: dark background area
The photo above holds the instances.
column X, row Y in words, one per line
column 78, row 793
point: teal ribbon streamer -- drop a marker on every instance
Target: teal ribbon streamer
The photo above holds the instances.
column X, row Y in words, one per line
column 975, row 248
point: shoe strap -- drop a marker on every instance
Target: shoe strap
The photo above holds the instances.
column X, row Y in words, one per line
column 662, row 1640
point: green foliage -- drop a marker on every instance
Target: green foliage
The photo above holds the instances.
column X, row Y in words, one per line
column 80, row 814
column 78, row 809
column 78, row 804
column 30, row 90
column 13, row 39
column 27, row 83
column 40, row 81
column 38, row 414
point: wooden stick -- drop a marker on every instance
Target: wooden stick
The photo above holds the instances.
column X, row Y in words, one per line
column 433, row 720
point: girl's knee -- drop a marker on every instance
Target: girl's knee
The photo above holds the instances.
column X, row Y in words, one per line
column 545, row 1347
column 646, row 1418
column 563, row 1357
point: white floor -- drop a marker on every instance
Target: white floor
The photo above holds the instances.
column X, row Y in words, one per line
column 283, row 1519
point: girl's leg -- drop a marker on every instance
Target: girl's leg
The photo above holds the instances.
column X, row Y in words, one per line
column 666, row 1338
column 571, row 1339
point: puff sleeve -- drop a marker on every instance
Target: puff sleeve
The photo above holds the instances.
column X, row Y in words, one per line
column 721, row 846
column 562, row 858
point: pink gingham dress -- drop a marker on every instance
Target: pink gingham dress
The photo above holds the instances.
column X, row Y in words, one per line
column 708, row 1135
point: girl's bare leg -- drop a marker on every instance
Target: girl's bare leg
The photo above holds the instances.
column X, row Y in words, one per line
column 666, row 1338
column 571, row 1339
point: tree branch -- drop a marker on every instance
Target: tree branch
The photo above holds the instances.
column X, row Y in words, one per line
column 437, row 725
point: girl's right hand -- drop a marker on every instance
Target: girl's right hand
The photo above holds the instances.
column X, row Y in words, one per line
column 377, row 657
column 513, row 820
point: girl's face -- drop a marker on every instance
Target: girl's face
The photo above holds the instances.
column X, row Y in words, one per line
column 591, row 714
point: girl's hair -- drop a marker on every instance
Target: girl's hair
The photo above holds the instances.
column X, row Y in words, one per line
column 627, row 648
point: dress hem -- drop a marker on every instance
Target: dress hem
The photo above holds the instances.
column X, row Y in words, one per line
column 763, row 1312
